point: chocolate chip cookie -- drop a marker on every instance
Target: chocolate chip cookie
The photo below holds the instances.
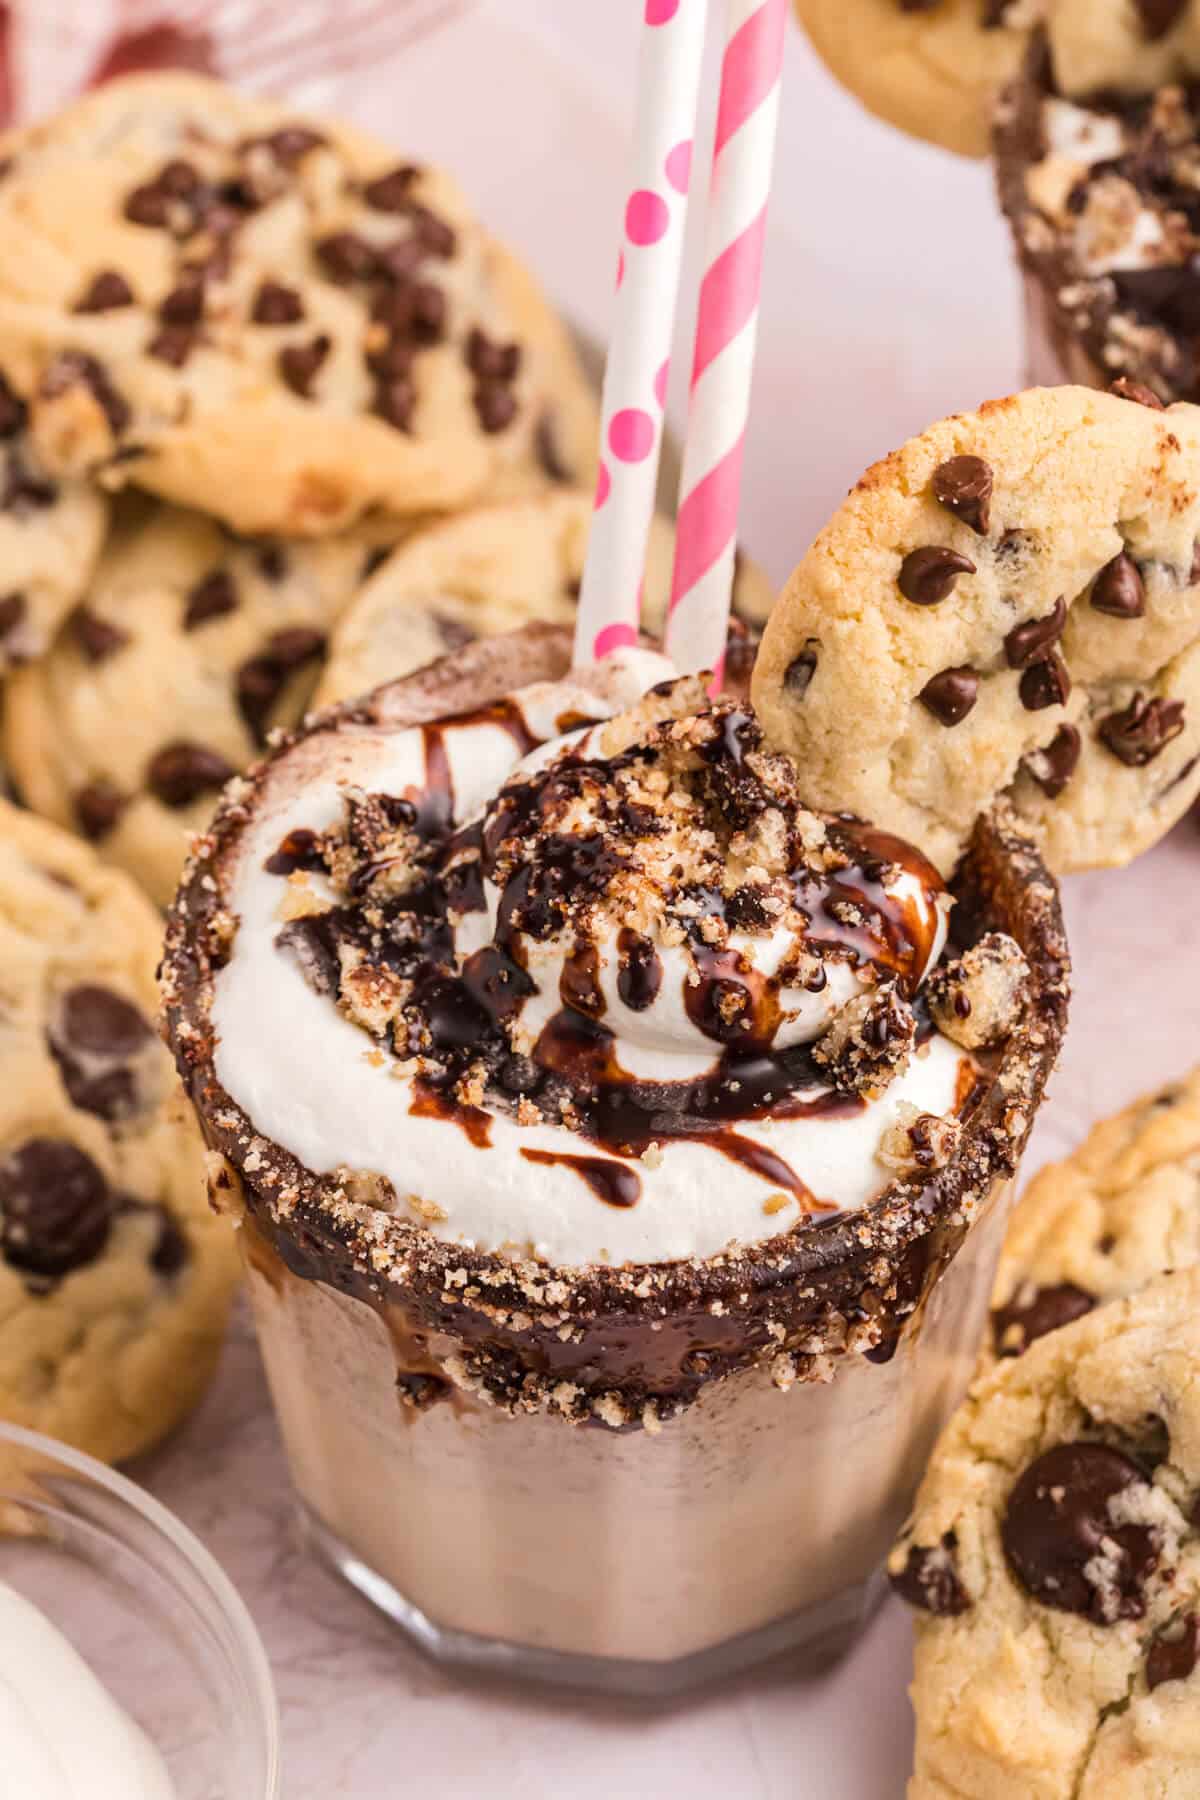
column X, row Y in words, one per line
column 191, row 646
column 269, row 318
column 1053, row 1559
column 1124, row 1208
column 936, row 68
column 51, row 529
column 493, row 570
column 115, row 1275
column 1007, row 605
column 931, row 67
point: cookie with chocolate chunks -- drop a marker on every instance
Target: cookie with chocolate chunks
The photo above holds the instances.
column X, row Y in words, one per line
column 115, row 1275
column 1052, row 1562
column 493, row 570
column 1123, row 1208
column 51, row 530
column 933, row 68
column 1049, row 653
column 272, row 318
column 209, row 642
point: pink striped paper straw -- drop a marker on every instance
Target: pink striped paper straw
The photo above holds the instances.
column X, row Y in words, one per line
column 635, row 376
column 726, row 330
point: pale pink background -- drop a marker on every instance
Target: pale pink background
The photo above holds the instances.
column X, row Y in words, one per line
column 889, row 300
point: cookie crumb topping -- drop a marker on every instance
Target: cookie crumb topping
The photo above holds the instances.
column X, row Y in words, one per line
column 977, row 999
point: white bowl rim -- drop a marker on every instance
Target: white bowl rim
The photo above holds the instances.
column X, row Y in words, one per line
column 203, row 1562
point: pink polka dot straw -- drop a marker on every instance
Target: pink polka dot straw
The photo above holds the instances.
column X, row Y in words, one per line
column 635, row 377
column 726, row 330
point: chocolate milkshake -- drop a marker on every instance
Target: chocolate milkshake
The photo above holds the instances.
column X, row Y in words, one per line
column 1100, row 181
column 622, row 1150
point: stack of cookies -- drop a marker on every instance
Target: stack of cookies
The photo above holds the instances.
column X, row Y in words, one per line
column 277, row 416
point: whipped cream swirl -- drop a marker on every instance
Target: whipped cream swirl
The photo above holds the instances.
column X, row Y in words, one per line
column 561, row 986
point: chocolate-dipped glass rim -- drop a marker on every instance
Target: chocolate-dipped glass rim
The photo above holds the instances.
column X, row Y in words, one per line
column 1094, row 324
column 652, row 1332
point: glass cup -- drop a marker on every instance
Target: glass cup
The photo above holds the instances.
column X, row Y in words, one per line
column 148, row 1609
column 623, row 1479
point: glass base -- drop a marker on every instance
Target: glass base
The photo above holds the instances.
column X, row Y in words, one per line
column 813, row 1639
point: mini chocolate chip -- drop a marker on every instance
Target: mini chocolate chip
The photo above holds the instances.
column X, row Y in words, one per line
column 1158, row 16
column 1054, row 766
column 24, row 492
column 391, row 359
column 56, row 1208
column 148, row 205
column 437, row 237
column 12, row 614
column 74, row 368
column 398, row 263
column 346, row 257
column 419, row 1390
column 1142, row 730
column 261, row 680
column 495, row 405
column 1029, row 642
column 93, row 1037
column 106, row 292
column 94, row 635
column 1125, row 389
column 275, row 304
column 394, row 401
column 178, row 178
column 171, row 1253
column 289, row 143
column 181, row 772
column 184, row 304
column 98, row 806
column 428, row 321
column 1117, row 589
column 298, row 363
column 928, row 576
column 13, row 411
column 797, row 677
column 545, row 443
column 963, row 485
column 273, row 562
column 1015, row 1326
column 212, row 597
column 930, row 1580
column 1174, row 1653
column 950, row 695
column 173, row 345
column 492, row 361
column 1058, row 1526
column 300, row 849
column 391, row 192
column 1045, row 683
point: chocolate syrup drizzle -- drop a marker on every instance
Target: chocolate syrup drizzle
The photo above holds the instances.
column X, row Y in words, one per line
column 456, row 1015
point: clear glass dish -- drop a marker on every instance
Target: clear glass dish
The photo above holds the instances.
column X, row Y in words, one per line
column 148, row 1608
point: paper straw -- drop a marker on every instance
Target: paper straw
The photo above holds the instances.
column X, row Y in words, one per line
column 635, row 377
column 726, row 330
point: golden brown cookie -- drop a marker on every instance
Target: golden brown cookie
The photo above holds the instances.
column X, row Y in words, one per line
column 492, row 570
column 191, row 647
column 115, row 1275
column 270, row 318
column 1053, row 1559
column 1122, row 1209
column 1009, row 604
